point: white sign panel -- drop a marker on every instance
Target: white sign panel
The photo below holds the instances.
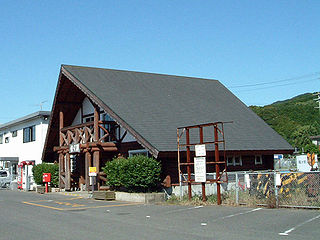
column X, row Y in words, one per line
column 74, row 148
column 278, row 156
column 302, row 163
column 200, row 150
column 200, row 169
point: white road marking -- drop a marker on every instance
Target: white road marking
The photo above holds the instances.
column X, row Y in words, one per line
column 286, row 233
column 238, row 214
column 185, row 209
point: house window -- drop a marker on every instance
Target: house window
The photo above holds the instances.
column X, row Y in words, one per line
column 237, row 161
column 29, row 134
column 234, row 161
column 14, row 133
column 6, row 140
column 89, row 119
column 138, row 152
column 230, row 161
column 112, row 127
column 1, row 139
column 258, row 160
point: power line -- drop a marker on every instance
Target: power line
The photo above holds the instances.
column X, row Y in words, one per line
column 279, row 85
column 272, row 82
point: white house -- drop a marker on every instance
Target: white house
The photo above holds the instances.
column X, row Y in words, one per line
column 21, row 146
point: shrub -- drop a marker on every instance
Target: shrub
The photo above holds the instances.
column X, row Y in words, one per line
column 39, row 169
column 135, row 174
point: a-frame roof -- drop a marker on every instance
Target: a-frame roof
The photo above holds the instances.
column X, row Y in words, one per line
column 152, row 106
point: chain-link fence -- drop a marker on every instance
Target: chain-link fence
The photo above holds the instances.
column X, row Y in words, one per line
column 291, row 189
column 271, row 189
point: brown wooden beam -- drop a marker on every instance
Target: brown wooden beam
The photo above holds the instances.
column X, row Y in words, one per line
column 96, row 163
column 68, row 172
column 60, row 127
column 87, row 164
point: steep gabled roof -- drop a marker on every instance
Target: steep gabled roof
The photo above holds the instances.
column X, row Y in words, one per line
column 152, row 106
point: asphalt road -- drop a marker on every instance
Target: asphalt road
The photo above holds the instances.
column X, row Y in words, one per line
column 28, row 215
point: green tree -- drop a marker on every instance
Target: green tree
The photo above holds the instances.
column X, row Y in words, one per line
column 301, row 136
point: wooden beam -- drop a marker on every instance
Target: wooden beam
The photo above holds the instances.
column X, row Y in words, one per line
column 61, row 169
column 87, row 164
column 96, row 124
column 109, row 146
column 96, row 163
column 60, row 127
column 68, row 172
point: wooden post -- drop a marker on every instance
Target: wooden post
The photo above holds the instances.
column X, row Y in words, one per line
column 96, row 163
column 87, row 165
column 203, row 183
column 188, row 161
column 68, row 173
column 61, row 156
column 96, row 154
column 61, row 169
column 96, row 124
column 216, row 155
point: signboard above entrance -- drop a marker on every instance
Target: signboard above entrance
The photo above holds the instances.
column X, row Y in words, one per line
column 74, row 148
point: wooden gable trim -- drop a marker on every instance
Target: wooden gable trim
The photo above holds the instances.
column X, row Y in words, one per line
column 95, row 100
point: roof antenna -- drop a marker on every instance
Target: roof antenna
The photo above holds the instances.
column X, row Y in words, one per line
column 41, row 104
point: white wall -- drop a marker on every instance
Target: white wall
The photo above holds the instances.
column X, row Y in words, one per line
column 24, row 151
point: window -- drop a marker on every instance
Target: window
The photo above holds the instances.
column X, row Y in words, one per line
column 258, row 160
column 3, row 174
column 14, row 133
column 234, row 161
column 112, row 127
column 6, row 140
column 29, row 134
column 89, row 119
column 138, row 152
column 1, row 139
column 230, row 161
column 237, row 161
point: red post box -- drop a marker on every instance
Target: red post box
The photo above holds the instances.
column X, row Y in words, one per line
column 46, row 177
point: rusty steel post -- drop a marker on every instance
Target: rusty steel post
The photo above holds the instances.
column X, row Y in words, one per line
column 188, row 161
column 216, row 155
column 204, row 198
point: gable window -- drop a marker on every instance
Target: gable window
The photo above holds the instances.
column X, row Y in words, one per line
column 138, row 152
column 258, row 160
column 112, row 127
column 234, row 161
column 29, row 134
column 14, row 133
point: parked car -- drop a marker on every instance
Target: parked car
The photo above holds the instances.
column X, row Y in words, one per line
column 4, row 179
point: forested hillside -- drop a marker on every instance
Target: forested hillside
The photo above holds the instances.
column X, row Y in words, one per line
column 295, row 119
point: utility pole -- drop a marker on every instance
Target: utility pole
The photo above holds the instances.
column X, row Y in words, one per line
column 317, row 99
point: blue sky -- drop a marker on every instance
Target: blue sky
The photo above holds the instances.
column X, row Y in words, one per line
column 272, row 46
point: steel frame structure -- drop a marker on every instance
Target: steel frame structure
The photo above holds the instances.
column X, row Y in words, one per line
column 217, row 162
